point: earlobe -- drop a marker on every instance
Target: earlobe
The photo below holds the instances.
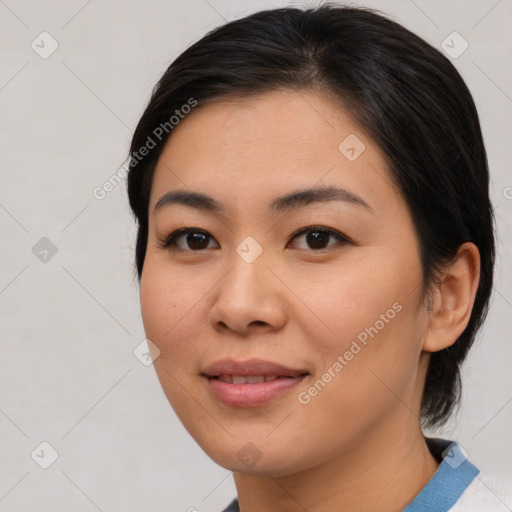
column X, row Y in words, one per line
column 453, row 298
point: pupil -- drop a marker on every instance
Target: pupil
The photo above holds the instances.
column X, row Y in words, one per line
column 197, row 240
column 317, row 239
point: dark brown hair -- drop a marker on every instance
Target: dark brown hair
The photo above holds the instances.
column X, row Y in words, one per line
column 406, row 94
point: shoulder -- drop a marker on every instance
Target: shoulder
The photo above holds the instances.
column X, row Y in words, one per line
column 485, row 493
column 233, row 506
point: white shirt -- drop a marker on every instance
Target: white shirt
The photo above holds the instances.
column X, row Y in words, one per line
column 456, row 486
column 484, row 495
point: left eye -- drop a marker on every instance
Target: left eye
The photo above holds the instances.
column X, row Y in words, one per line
column 318, row 237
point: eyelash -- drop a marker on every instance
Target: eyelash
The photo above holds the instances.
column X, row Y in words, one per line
column 169, row 242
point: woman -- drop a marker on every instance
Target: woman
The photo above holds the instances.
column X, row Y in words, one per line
column 315, row 253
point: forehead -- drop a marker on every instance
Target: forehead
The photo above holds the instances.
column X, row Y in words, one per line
column 268, row 144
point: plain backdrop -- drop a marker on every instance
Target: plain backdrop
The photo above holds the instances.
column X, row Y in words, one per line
column 70, row 306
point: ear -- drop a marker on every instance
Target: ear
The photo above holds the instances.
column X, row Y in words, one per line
column 453, row 299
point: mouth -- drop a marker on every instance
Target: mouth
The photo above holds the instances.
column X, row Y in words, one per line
column 249, row 379
column 250, row 383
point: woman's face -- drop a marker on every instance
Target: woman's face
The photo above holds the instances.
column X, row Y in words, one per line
column 328, row 287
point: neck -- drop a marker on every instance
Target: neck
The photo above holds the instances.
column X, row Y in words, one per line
column 388, row 468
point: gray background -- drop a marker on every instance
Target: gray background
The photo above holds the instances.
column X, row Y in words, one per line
column 70, row 323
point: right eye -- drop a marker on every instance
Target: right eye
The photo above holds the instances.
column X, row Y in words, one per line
column 187, row 239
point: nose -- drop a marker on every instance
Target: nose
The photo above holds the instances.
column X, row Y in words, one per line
column 249, row 298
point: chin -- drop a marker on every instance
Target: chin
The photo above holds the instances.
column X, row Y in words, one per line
column 256, row 458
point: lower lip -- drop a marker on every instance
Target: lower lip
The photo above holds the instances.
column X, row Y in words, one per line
column 254, row 394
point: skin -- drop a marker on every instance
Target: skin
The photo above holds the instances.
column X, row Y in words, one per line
column 358, row 442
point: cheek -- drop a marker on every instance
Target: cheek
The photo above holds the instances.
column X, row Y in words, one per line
column 368, row 316
column 350, row 296
column 367, row 368
column 169, row 307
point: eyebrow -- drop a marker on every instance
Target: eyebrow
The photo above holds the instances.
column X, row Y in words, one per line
column 292, row 201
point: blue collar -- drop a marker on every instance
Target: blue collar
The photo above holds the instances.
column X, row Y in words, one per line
column 451, row 479
column 442, row 491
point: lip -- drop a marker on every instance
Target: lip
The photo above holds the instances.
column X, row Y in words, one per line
column 250, row 367
column 251, row 394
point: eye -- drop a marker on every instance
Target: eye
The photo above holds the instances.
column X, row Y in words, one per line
column 317, row 237
column 196, row 240
column 187, row 239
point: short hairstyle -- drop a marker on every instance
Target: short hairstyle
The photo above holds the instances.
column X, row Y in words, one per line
column 405, row 93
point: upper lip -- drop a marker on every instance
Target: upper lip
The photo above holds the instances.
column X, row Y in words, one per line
column 250, row 367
